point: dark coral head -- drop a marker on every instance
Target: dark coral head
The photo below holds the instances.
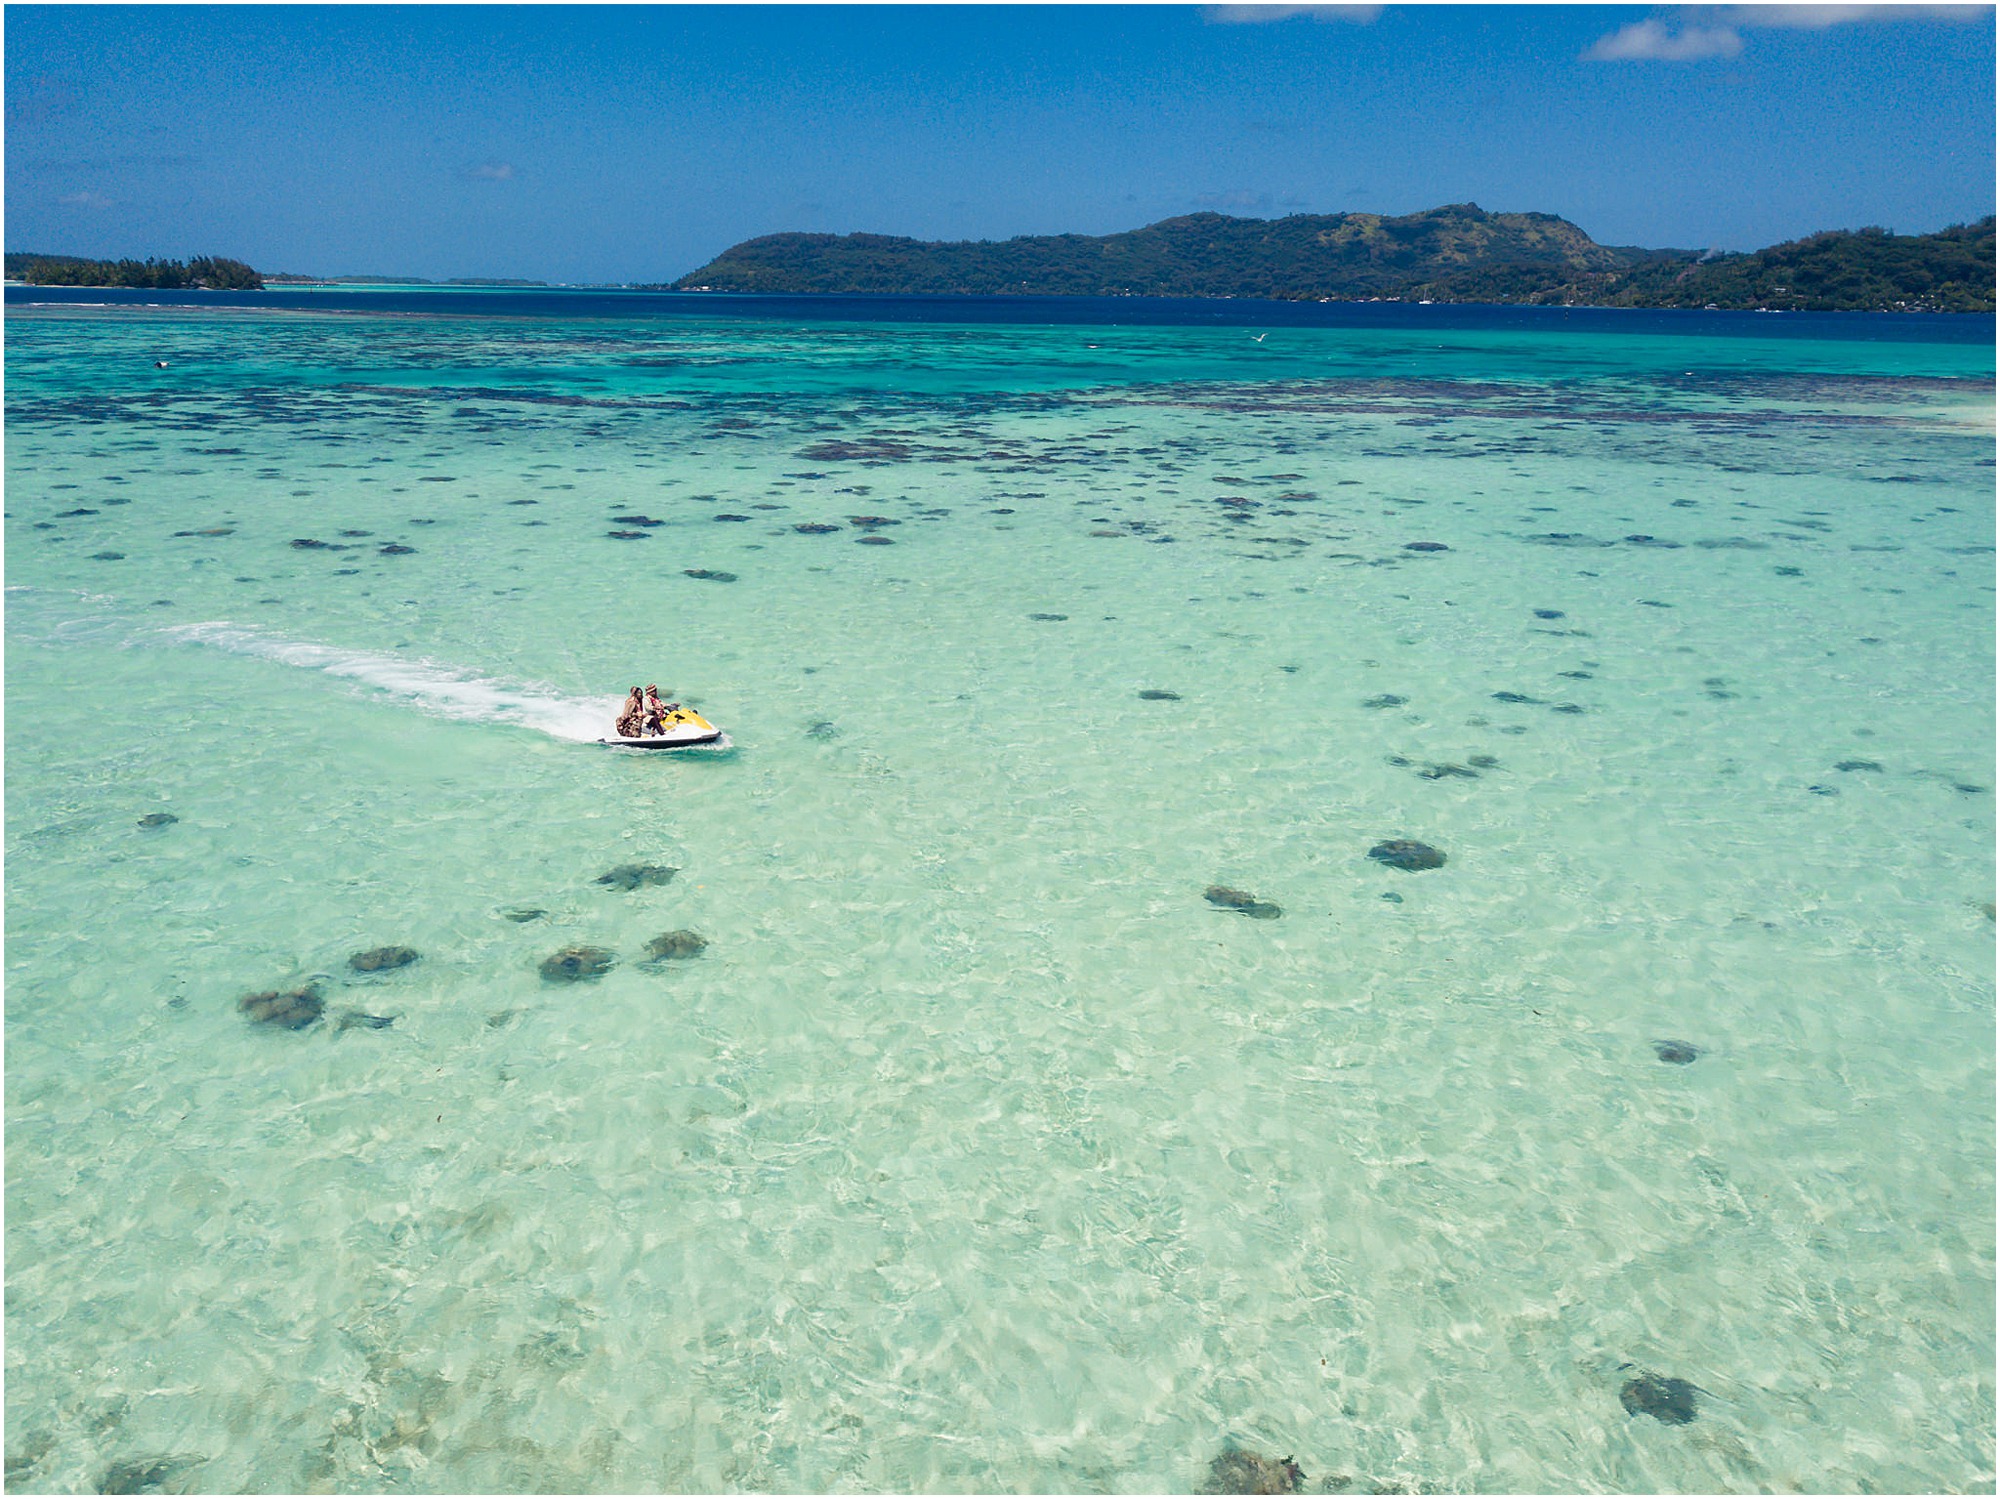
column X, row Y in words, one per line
column 1662, row 1398
column 1406, row 853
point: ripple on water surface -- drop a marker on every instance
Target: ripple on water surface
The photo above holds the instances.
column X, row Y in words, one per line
column 1596, row 730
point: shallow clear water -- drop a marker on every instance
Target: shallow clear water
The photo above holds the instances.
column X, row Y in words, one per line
column 977, row 1150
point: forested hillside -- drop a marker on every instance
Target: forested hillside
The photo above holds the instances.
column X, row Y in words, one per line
column 1459, row 253
column 213, row 272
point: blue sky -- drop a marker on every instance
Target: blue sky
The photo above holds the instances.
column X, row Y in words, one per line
column 633, row 143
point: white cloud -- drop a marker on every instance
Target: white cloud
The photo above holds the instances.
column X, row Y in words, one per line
column 492, row 171
column 1699, row 31
column 1250, row 15
column 1819, row 17
column 1652, row 41
column 84, row 200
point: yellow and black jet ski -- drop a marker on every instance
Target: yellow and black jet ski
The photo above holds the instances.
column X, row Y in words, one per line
column 679, row 728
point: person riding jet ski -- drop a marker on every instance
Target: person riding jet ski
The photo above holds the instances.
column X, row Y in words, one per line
column 632, row 717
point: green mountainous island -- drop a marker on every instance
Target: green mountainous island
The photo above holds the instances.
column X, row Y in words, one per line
column 1459, row 253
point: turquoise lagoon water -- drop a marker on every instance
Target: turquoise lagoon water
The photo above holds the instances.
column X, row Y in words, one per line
column 978, row 1150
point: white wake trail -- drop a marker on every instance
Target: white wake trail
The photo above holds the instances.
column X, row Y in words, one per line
column 428, row 686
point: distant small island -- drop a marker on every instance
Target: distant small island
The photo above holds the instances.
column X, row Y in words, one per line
column 203, row 272
column 283, row 278
column 1458, row 253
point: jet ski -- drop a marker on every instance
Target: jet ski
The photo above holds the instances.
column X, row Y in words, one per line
column 679, row 728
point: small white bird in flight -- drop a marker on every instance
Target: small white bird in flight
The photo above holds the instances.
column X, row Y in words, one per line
column 1260, row 338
